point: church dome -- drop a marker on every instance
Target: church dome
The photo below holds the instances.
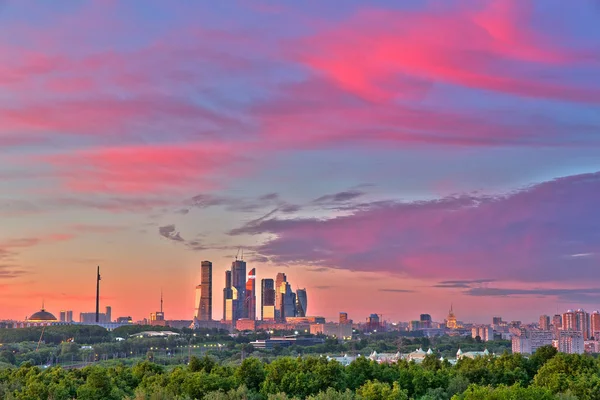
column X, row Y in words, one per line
column 42, row 315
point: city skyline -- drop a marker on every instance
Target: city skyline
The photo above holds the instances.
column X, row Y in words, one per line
column 390, row 157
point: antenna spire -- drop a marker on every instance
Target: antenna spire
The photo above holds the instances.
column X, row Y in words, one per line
column 161, row 300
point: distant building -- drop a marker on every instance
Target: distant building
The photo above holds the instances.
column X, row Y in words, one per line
column 569, row 321
column 582, row 321
column 484, row 332
column 414, row 325
column 250, row 299
column 521, row 344
column 340, row 331
column 204, row 293
column 124, row 320
column 373, row 323
column 595, row 325
column 451, row 320
column 343, row 318
column 90, row 317
column 234, row 293
column 544, row 322
column 301, row 303
column 228, row 298
column 571, row 342
column 287, row 341
column 66, row 316
column 425, row 320
column 556, row 324
column 267, row 300
column 245, row 324
column 497, row 321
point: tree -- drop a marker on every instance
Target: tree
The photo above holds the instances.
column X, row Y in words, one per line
column 375, row 390
column 251, row 373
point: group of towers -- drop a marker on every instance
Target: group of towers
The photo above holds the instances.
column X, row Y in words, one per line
column 278, row 301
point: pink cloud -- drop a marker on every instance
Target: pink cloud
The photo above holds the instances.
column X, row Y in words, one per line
column 314, row 113
column 528, row 235
column 147, row 169
column 476, row 48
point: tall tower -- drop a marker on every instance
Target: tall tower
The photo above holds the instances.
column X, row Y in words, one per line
column 301, row 303
column 228, row 298
column 98, row 295
column 595, row 324
column 250, row 300
column 568, row 321
column 280, row 282
column 267, row 300
column 238, row 285
column 204, row 293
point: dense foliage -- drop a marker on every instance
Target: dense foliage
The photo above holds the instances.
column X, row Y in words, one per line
column 545, row 375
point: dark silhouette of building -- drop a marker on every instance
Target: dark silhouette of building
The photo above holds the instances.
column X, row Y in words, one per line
column 425, row 321
column 228, row 298
column 301, row 303
column 204, row 293
column 267, row 302
column 373, row 323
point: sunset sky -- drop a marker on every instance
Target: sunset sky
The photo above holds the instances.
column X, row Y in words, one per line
column 392, row 157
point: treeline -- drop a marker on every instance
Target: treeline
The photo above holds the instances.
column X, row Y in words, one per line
column 544, row 376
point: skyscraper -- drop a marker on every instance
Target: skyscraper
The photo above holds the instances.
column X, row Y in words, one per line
column 544, row 322
column 595, row 324
column 568, row 321
column 267, row 300
column 250, row 301
column 228, row 298
column 109, row 311
column 301, row 303
column 582, row 320
column 204, row 293
column 279, row 284
column 238, row 287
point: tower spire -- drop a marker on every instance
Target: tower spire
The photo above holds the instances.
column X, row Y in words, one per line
column 98, row 295
column 161, row 300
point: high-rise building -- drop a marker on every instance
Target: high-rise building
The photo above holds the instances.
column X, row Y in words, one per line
column 238, row 285
column 484, row 332
column 250, row 300
column 497, row 321
column 204, row 293
column 595, row 325
column 569, row 322
column 556, row 324
column 301, row 303
column 425, row 321
column 582, row 320
column 571, row 342
column 63, row 316
column 234, row 293
column 343, row 318
column 544, row 322
column 373, row 323
column 108, row 314
column 451, row 320
column 280, row 281
column 267, row 300
column 69, row 316
column 228, row 298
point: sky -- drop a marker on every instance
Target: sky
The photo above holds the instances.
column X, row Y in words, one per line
column 390, row 157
